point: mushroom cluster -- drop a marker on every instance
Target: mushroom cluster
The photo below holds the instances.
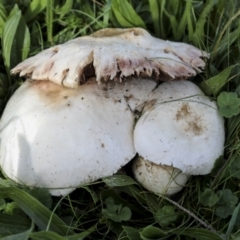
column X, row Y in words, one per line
column 90, row 105
column 182, row 134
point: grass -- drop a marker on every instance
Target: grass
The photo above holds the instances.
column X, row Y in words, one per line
column 117, row 207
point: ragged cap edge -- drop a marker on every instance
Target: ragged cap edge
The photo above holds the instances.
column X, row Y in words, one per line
column 113, row 54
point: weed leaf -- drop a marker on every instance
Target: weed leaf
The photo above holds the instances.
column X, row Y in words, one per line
column 151, row 232
column 118, row 181
column 132, row 233
column 215, row 84
column 116, row 212
column 165, row 215
column 125, row 214
column 39, row 214
column 229, row 104
column 208, row 198
column 226, row 203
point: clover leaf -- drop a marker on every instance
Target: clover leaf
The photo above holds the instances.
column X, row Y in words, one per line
column 235, row 167
column 229, row 104
column 224, row 211
column 165, row 216
column 226, row 197
column 227, row 201
column 116, row 212
column 208, row 198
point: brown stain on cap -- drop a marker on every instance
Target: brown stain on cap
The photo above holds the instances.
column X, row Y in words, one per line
column 194, row 121
column 52, row 93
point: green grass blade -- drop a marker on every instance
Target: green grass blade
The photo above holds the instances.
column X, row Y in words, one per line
column 144, row 198
column 15, row 40
column 174, row 23
column 6, row 183
column 199, row 34
column 3, row 12
column 189, row 19
column 49, row 20
column 13, row 224
column 106, row 13
column 35, row 7
column 39, row 214
column 126, row 15
column 226, row 27
column 20, row 236
column 160, row 15
column 65, row 8
column 228, row 40
column 186, row 22
column 215, row 84
column 3, row 17
column 232, row 221
column 232, row 125
column 196, row 233
column 46, row 235
column 82, row 235
column 155, row 14
column 8, row 36
column 25, row 40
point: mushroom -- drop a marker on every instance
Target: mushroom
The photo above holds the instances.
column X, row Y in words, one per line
column 113, row 54
column 58, row 138
column 161, row 179
column 180, row 133
column 72, row 121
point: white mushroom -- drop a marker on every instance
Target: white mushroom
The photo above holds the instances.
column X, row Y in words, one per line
column 181, row 128
column 113, row 54
column 62, row 129
column 59, row 138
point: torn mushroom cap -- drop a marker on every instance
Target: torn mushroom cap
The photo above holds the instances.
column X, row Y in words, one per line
column 59, row 138
column 182, row 129
column 160, row 179
column 113, row 54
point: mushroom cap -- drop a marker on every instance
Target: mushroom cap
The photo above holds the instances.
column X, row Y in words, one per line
column 59, row 138
column 113, row 54
column 160, row 179
column 180, row 128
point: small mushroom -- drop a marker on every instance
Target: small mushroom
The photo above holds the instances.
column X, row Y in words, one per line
column 158, row 178
column 72, row 121
column 181, row 130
